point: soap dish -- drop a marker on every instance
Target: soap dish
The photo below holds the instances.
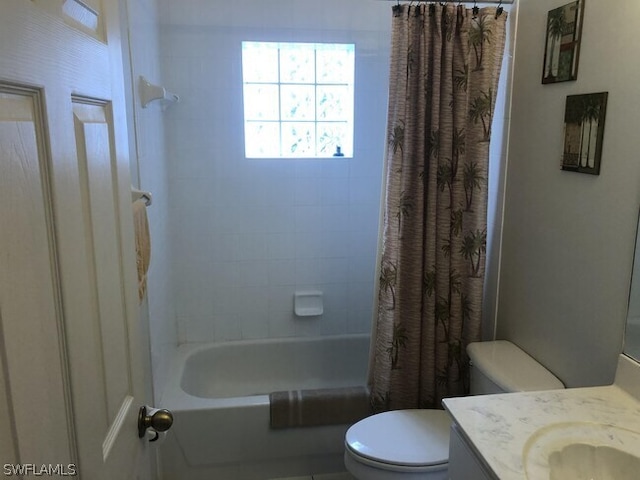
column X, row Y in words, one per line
column 308, row 304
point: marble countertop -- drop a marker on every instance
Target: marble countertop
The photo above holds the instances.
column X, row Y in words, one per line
column 498, row 426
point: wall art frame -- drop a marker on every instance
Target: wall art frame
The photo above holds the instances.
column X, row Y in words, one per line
column 584, row 120
column 562, row 46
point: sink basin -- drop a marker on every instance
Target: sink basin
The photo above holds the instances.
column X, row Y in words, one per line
column 582, row 451
column 597, row 462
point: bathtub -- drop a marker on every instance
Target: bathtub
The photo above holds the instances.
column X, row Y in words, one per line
column 218, row 394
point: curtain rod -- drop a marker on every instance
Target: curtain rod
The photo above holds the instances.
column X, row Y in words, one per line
column 506, row 2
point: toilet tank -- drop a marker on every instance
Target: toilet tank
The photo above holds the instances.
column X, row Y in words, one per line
column 500, row 367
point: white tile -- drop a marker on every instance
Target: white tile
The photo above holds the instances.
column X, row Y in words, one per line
column 334, row 270
column 255, row 325
column 308, row 219
column 252, row 301
column 181, row 330
column 224, row 247
column 255, row 190
column 334, row 246
column 359, row 321
column 363, row 242
column 307, row 191
column 360, row 294
column 225, row 300
column 281, row 298
column 199, row 329
column 334, row 168
column 362, row 216
column 364, row 190
column 278, row 219
column 336, row 296
column 254, row 273
column 193, row 291
column 224, row 275
column 282, row 272
column 281, row 190
column 281, row 245
column 226, row 328
column 335, row 218
column 251, row 247
column 366, row 165
column 308, row 326
column 283, row 218
column 362, row 269
column 334, row 322
column 308, row 245
column 307, row 271
column 281, row 324
column 309, row 168
column 335, row 191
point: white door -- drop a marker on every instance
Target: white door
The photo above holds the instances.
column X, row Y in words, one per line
column 70, row 366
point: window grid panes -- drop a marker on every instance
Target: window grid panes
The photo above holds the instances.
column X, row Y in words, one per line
column 298, row 99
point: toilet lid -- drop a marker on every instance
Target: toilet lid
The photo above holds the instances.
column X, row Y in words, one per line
column 402, row 437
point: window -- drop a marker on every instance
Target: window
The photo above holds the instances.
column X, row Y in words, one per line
column 298, row 99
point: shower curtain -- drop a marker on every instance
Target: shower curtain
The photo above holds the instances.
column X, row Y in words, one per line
column 445, row 65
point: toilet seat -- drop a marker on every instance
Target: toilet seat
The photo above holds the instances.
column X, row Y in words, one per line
column 401, row 440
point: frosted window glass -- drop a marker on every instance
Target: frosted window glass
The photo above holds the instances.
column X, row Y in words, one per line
column 260, row 62
column 335, row 65
column 298, row 139
column 334, row 103
column 297, row 63
column 261, row 102
column 263, row 139
column 332, row 135
column 298, row 102
column 298, row 99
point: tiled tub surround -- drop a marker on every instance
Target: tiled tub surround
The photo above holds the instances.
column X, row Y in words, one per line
column 498, row 427
column 248, row 233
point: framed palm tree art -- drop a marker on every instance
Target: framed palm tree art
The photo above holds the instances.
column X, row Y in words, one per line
column 583, row 132
column 562, row 49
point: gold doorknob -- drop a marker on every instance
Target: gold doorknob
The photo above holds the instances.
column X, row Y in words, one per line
column 159, row 420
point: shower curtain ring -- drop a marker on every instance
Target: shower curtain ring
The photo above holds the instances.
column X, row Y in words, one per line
column 499, row 10
column 476, row 10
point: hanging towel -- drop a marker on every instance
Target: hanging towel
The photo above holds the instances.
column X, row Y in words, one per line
column 143, row 244
column 324, row 406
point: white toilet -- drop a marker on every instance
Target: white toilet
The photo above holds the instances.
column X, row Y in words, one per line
column 414, row 444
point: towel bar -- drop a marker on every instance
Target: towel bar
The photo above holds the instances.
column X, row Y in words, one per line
column 140, row 194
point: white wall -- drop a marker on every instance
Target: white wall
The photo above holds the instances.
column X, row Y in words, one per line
column 568, row 237
column 248, row 233
column 149, row 172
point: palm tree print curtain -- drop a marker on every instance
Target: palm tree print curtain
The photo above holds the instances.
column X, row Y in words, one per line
column 445, row 64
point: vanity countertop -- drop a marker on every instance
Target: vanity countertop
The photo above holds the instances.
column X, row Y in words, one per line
column 498, row 426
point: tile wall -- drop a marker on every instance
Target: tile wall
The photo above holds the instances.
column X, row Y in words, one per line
column 149, row 172
column 248, row 233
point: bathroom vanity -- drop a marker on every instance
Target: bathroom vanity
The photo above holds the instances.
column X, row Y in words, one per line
column 529, row 435
column 464, row 461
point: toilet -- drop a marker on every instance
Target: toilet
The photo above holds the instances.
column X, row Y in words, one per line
column 414, row 444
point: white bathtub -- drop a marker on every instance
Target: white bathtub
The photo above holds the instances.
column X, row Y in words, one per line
column 218, row 394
